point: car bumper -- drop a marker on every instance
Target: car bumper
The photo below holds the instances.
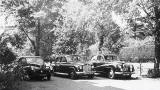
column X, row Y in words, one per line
column 40, row 74
column 85, row 73
column 124, row 73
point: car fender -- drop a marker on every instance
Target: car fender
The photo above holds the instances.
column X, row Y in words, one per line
column 108, row 67
column 72, row 68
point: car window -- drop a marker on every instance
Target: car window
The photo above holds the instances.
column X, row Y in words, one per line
column 58, row 59
column 110, row 57
column 99, row 58
column 63, row 59
column 69, row 58
column 35, row 60
column 22, row 60
column 76, row 58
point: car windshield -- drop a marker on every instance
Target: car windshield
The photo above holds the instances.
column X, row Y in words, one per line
column 73, row 58
column 35, row 65
column 35, row 60
column 110, row 57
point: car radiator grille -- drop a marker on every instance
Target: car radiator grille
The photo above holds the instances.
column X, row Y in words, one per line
column 126, row 68
column 87, row 68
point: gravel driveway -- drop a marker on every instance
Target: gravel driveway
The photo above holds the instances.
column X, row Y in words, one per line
column 98, row 83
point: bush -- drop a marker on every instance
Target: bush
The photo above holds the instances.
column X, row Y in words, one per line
column 6, row 56
column 10, row 80
column 152, row 73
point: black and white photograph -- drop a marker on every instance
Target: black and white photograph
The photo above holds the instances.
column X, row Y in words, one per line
column 79, row 44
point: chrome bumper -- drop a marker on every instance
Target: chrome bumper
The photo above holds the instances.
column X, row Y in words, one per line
column 85, row 73
column 124, row 73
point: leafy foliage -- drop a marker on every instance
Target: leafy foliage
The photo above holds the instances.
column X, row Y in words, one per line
column 6, row 55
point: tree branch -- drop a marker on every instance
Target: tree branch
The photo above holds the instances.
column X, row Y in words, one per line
column 33, row 43
column 144, row 9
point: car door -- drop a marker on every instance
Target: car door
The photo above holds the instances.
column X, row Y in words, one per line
column 100, row 62
column 63, row 64
column 57, row 65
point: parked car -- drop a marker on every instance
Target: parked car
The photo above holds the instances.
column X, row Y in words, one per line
column 111, row 66
column 33, row 67
column 73, row 66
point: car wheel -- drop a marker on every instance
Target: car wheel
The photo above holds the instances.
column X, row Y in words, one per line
column 129, row 76
column 73, row 75
column 48, row 77
column 53, row 72
column 90, row 76
column 26, row 77
column 111, row 74
column 30, row 77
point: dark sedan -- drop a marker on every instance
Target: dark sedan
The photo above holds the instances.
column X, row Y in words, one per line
column 73, row 66
column 111, row 66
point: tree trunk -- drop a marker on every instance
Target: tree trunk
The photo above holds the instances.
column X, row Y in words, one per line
column 37, row 53
column 157, row 40
column 101, row 41
column 157, row 53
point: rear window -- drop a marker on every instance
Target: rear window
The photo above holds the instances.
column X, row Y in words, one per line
column 110, row 57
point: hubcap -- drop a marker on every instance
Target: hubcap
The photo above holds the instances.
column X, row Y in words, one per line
column 111, row 73
column 72, row 75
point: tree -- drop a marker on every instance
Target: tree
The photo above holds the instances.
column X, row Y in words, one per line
column 143, row 18
column 6, row 56
column 33, row 17
column 108, row 33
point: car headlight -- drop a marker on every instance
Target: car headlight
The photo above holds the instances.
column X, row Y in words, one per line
column 119, row 67
column 79, row 67
column 32, row 68
column 47, row 67
column 131, row 68
column 92, row 66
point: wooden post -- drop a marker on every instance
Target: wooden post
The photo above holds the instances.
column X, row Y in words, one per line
column 140, row 68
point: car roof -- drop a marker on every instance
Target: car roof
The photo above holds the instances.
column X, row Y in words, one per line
column 66, row 55
column 29, row 57
column 107, row 54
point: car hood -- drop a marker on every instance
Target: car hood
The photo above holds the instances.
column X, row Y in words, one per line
column 36, row 67
column 78, row 63
column 118, row 63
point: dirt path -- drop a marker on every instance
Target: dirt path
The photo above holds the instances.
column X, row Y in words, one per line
column 98, row 83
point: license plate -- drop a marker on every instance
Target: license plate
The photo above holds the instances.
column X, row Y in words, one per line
column 42, row 74
column 125, row 74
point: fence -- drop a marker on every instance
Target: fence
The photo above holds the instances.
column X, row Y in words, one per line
column 141, row 69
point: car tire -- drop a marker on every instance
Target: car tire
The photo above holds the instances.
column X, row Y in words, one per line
column 72, row 75
column 111, row 73
column 90, row 76
column 128, row 77
column 53, row 72
column 48, row 77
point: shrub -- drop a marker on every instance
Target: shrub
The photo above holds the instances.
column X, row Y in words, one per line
column 10, row 80
column 6, row 56
column 152, row 73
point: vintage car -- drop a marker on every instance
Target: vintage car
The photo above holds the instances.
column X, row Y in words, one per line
column 33, row 67
column 73, row 66
column 111, row 66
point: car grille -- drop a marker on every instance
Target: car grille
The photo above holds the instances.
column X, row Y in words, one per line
column 126, row 68
column 87, row 68
column 41, row 71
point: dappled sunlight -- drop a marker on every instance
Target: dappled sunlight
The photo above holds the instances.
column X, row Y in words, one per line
column 124, row 84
